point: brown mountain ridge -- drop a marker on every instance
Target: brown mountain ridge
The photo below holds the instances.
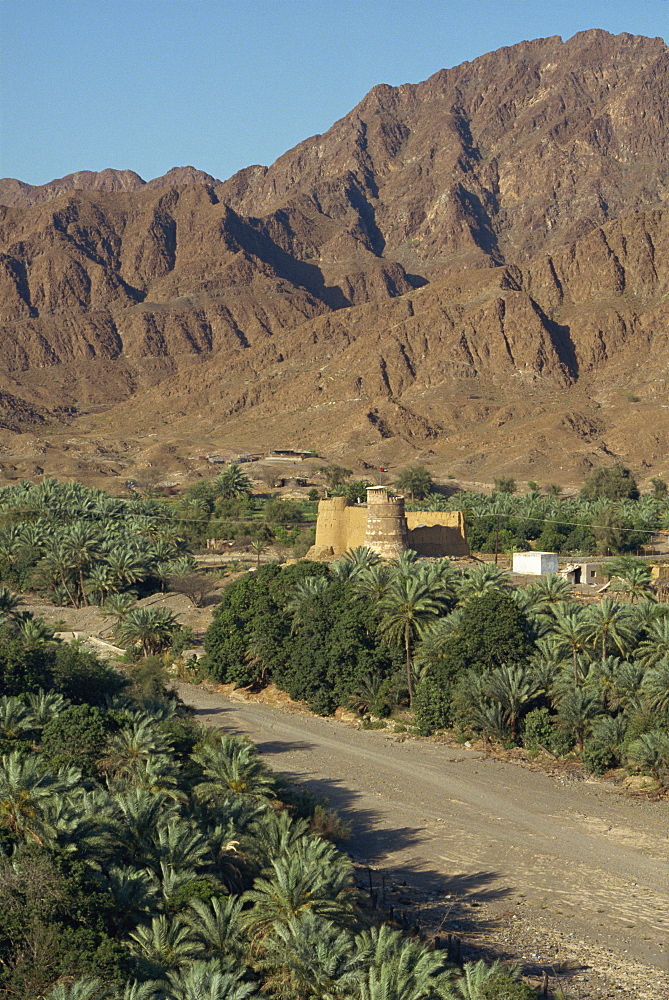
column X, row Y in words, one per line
column 471, row 271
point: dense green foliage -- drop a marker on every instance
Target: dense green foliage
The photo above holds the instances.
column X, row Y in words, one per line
column 312, row 632
column 145, row 858
column 78, row 545
column 526, row 664
column 224, row 507
column 605, row 519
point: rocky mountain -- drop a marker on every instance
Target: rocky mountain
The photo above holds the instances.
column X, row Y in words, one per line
column 472, row 271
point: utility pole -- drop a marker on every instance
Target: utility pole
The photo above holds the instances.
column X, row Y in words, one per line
column 496, row 537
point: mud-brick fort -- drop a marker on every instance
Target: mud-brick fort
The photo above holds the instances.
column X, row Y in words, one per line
column 384, row 526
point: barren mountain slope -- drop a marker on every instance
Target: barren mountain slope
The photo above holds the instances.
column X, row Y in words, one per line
column 471, row 269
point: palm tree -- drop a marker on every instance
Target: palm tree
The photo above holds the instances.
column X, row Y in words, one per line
column 274, row 835
column 513, row 687
column 310, row 958
column 610, row 732
column 373, row 583
column 133, row 894
column 655, row 687
column 625, row 686
column 551, row 591
column 43, row 706
column 258, row 546
column 234, row 765
column 181, row 845
column 207, row 981
column 25, row 789
column 408, row 608
column 139, row 815
column 570, row 632
column 314, row 876
column 216, row 926
column 100, row 582
column 479, row 980
column 82, row 542
column 138, row 742
column 232, row 483
column 151, row 628
column 35, row 631
column 577, row 710
column 481, row 580
column 9, row 602
column 59, row 566
column 302, row 593
column 127, row 566
column 634, row 575
column 608, row 622
column 166, row 943
column 390, row 966
column 81, row 989
column 118, row 605
column 651, row 752
column 655, row 648
column 355, row 561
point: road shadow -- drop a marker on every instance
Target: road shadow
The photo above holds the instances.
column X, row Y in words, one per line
column 281, row 746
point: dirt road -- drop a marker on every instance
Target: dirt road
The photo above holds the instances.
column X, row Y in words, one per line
column 571, row 860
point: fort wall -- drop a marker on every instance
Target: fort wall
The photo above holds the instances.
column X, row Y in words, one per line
column 384, row 526
column 437, row 533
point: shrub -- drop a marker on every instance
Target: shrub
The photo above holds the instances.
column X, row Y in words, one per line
column 596, row 758
column 23, row 667
column 76, row 736
column 505, row 484
column 538, row 729
column 431, row 706
column 82, row 677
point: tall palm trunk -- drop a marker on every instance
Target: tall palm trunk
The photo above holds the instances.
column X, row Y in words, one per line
column 407, row 647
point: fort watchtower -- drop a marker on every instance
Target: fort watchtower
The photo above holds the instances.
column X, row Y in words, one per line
column 386, row 531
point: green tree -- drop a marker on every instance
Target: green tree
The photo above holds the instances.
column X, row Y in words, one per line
column 608, row 624
column 614, row 482
column 232, row 483
column 150, row 628
column 335, row 475
column 408, row 607
column 491, row 631
column 76, row 736
column 414, row 480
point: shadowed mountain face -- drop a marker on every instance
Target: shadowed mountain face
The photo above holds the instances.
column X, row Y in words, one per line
column 473, row 268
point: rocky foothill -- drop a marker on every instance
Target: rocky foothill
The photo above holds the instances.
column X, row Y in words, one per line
column 471, row 271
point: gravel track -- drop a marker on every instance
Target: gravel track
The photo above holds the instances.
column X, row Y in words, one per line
column 568, row 873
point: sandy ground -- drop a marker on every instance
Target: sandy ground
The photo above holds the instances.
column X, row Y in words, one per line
column 566, row 875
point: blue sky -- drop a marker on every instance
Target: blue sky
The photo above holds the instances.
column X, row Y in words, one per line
column 152, row 84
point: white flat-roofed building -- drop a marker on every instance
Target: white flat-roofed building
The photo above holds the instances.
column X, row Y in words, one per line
column 535, row 563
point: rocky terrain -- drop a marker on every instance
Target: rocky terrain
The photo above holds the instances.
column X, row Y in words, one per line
column 471, row 271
